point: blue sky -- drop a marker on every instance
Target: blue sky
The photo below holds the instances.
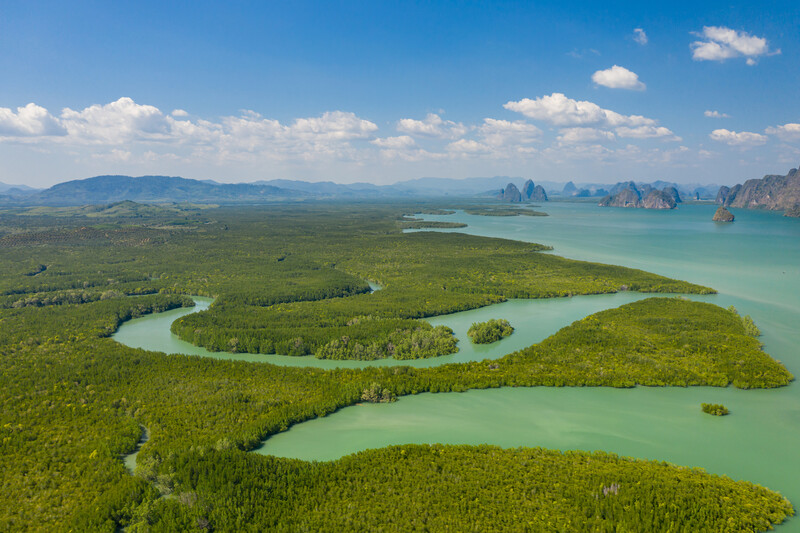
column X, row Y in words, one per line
column 385, row 91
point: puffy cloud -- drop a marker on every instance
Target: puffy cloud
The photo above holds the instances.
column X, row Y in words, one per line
column 562, row 111
column 640, row 36
column 715, row 114
column 584, row 135
column 404, row 148
column 786, row 132
column 333, row 125
column 395, row 143
column 618, row 77
column 468, row 146
column 233, row 138
column 647, row 132
column 503, row 132
column 130, row 135
column 116, row 123
column 432, row 126
column 29, row 121
column 743, row 138
column 720, row 43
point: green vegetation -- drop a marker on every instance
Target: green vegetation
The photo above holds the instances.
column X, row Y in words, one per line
column 124, row 209
column 657, row 341
column 429, row 224
column 458, row 488
column 74, row 400
column 421, row 342
column 749, row 326
column 295, row 307
column 376, row 394
column 716, row 409
column 490, row 331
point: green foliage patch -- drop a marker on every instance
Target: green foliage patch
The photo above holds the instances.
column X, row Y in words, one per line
column 716, row 409
column 749, row 326
column 490, row 331
column 458, row 488
column 657, row 341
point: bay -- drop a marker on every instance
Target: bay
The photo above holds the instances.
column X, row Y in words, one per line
column 754, row 263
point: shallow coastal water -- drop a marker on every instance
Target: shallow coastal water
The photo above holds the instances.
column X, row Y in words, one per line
column 754, row 263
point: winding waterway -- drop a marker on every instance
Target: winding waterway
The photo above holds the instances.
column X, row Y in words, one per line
column 755, row 265
column 533, row 320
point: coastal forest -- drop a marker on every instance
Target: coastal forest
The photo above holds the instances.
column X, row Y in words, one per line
column 295, row 280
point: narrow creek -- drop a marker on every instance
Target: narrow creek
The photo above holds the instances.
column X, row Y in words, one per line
column 130, row 460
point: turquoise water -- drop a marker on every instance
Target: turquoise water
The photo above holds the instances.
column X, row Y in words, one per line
column 755, row 265
column 533, row 320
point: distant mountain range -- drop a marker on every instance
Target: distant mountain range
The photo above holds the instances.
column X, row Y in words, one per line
column 153, row 189
column 16, row 190
column 167, row 189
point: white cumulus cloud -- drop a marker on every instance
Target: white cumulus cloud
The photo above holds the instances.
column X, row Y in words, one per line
column 787, row 132
column 468, row 146
column 31, row 120
column 640, row 36
column 115, row 123
column 742, row 138
column 618, row 77
column 333, row 125
column 432, row 126
column 647, row 132
column 396, row 143
column 720, row 43
column 715, row 114
column 584, row 135
column 123, row 124
column 497, row 133
column 559, row 110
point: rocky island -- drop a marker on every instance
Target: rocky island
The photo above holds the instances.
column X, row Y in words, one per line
column 723, row 215
column 631, row 196
column 770, row 192
column 530, row 193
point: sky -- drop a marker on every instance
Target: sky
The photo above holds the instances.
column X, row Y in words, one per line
column 380, row 92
